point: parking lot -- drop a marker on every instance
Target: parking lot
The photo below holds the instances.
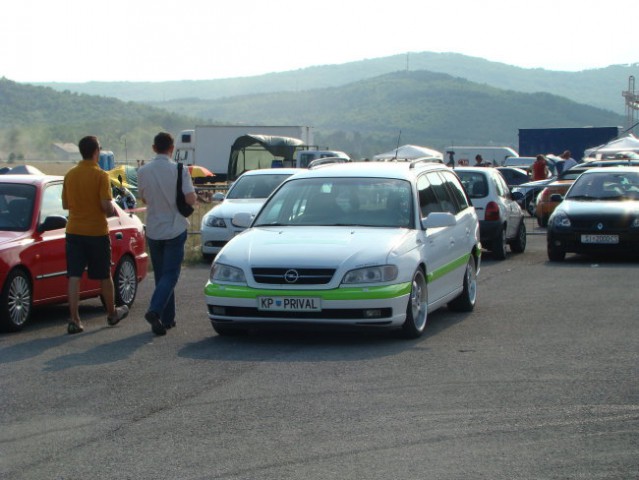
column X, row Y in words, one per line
column 540, row 381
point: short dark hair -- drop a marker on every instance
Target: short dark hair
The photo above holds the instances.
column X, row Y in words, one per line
column 163, row 142
column 88, row 145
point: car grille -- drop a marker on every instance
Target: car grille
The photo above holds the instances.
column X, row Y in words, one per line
column 609, row 224
column 293, row 276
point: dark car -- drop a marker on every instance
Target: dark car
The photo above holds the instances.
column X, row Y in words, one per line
column 599, row 214
column 33, row 249
column 514, row 175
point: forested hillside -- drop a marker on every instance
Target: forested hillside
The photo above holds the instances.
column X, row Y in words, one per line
column 601, row 88
column 363, row 118
column 32, row 118
column 430, row 109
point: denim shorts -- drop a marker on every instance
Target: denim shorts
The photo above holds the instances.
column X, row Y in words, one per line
column 92, row 253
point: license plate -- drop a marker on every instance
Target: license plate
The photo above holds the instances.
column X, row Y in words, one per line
column 289, row 304
column 605, row 239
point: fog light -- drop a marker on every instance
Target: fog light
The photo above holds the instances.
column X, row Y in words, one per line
column 373, row 313
column 219, row 311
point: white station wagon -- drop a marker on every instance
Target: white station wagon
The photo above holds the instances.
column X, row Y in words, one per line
column 365, row 245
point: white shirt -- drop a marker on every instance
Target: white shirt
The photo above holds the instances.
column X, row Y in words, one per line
column 569, row 163
column 157, row 186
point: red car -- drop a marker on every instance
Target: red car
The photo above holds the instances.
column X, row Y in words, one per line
column 32, row 250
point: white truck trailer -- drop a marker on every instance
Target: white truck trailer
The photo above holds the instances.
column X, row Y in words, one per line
column 210, row 145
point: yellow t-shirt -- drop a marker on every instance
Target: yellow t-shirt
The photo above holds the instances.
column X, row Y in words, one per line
column 85, row 185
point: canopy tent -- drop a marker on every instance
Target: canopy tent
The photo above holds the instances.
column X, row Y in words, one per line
column 251, row 152
column 408, row 152
column 129, row 176
column 629, row 143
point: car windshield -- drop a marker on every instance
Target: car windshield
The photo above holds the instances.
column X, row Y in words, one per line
column 369, row 202
column 16, row 206
column 605, row 186
column 256, row 186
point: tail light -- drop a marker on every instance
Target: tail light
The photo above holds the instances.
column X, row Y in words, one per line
column 492, row 211
column 545, row 195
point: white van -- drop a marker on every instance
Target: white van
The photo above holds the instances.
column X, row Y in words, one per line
column 304, row 157
column 465, row 155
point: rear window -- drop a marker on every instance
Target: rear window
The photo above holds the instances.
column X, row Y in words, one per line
column 475, row 183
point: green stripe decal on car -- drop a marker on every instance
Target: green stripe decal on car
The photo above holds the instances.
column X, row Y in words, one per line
column 446, row 269
column 350, row 293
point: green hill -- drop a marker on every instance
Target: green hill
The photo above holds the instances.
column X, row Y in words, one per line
column 363, row 117
column 601, row 88
column 33, row 117
column 430, row 109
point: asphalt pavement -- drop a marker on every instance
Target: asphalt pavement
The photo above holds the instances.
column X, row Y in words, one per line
column 539, row 382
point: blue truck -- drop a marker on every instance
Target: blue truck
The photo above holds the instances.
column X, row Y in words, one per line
column 533, row 141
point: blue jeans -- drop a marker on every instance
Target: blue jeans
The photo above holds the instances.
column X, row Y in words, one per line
column 166, row 258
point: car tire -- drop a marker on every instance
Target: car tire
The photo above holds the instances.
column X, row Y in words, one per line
column 531, row 206
column 518, row 245
column 125, row 281
column 465, row 302
column 555, row 254
column 227, row 330
column 16, row 301
column 542, row 221
column 499, row 245
column 417, row 308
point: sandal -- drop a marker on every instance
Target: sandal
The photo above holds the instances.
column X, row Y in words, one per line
column 73, row 328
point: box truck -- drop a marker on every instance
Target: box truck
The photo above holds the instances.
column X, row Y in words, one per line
column 210, row 145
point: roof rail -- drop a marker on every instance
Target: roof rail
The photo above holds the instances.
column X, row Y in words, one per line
column 327, row 161
column 417, row 161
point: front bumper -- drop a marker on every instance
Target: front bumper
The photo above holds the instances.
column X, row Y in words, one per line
column 356, row 307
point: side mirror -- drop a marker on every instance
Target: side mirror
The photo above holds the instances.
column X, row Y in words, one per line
column 218, row 196
column 52, row 222
column 556, row 197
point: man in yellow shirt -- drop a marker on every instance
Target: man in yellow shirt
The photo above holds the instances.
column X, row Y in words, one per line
column 87, row 195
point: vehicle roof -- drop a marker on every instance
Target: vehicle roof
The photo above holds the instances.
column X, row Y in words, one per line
column 619, row 169
column 397, row 170
column 272, row 171
column 484, row 170
column 28, row 179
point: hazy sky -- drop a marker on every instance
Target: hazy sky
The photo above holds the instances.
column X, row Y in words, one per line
column 157, row 40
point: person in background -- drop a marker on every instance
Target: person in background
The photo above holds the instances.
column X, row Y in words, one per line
column 86, row 194
column 540, row 168
column 568, row 161
column 479, row 161
column 166, row 228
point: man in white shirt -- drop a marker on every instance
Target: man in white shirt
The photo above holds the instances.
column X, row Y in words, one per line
column 568, row 162
column 166, row 228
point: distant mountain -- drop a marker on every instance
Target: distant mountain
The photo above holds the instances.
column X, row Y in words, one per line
column 430, row 109
column 601, row 88
column 33, row 117
column 363, row 117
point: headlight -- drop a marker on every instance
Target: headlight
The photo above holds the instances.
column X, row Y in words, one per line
column 382, row 273
column 221, row 273
column 560, row 220
column 635, row 223
column 213, row 221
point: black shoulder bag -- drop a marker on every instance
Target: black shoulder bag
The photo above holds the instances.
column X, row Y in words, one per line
column 185, row 209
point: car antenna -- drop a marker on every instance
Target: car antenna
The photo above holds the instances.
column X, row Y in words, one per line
column 397, row 148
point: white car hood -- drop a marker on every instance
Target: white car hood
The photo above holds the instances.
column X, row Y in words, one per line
column 322, row 247
column 230, row 207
